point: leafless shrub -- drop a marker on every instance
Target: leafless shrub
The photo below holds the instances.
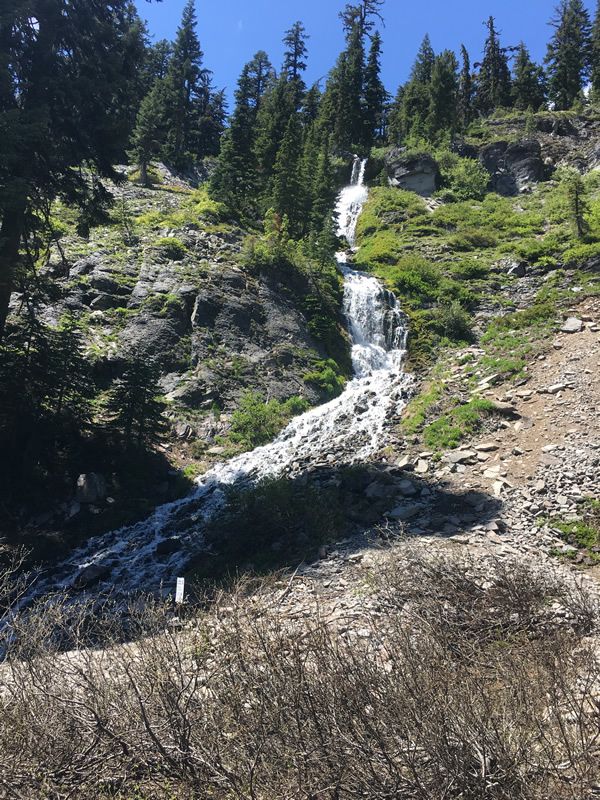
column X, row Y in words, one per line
column 465, row 681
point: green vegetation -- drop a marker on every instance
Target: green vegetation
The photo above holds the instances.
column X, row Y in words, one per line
column 256, row 422
column 582, row 534
column 457, row 424
column 326, row 377
column 171, row 248
column 273, row 523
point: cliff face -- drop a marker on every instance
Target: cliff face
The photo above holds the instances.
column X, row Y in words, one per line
column 167, row 276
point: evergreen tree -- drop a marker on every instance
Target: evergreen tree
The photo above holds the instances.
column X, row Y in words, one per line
column 158, row 57
column 351, row 133
column 133, row 406
column 595, row 55
column 375, row 95
column 63, row 103
column 443, row 95
column 311, row 105
column 149, row 132
column 234, row 180
column 364, row 14
column 577, row 203
column 288, row 197
column 568, row 53
column 187, row 92
column 528, row 86
column 278, row 106
column 294, row 63
column 324, row 191
column 423, row 66
column 493, row 83
column 465, row 90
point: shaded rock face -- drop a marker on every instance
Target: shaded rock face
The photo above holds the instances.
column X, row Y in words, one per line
column 418, row 174
column 214, row 329
column 513, row 167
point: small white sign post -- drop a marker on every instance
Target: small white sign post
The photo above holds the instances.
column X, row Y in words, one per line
column 180, row 591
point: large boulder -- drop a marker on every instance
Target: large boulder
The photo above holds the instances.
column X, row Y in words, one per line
column 513, row 166
column 91, row 488
column 414, row 173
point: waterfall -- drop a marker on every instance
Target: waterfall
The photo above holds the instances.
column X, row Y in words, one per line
column 349, row 429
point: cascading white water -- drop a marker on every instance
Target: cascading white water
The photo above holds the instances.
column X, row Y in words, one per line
column 346, row 430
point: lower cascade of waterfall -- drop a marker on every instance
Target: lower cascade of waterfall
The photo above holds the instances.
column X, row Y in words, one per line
column 349, row 429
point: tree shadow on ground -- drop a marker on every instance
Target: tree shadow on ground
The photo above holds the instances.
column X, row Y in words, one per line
column 279, row 523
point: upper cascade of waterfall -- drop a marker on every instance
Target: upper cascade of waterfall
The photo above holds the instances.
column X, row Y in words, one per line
column 377, row 327
column 351, row 200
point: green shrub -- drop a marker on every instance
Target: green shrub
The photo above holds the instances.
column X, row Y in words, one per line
column 472, row 240
column 326, row 376
column 274, row 522
column 465, row 178
column 453, row 322
column 171, row 248
column 580, row 253
column 255, row 422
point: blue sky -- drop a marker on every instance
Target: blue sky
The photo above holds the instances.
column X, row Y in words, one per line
column 231, row 31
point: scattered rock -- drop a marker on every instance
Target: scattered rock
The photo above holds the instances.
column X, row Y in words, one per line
column 572, row 325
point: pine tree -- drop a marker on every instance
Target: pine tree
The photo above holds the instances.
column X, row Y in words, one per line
column 375, row 95
column 323, row 190
column 156, row 66
column 133, row 406
column 234, row 180
column 149, row 132
column 186, row 94
column 528, row 86
column 493, row 82
column 577, row 204
column 364, row 14
column 278, row 106
column 59, row 110
column 443, row 95
column 465, row 90
column 288, row 198
column 423, row 66
column 294, row 63
column 568, row 53
column 595, row 55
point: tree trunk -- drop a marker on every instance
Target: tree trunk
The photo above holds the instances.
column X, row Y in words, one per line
column 144, row 173
column 10, row 240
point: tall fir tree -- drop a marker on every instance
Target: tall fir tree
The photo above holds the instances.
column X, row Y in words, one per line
column 234, row 181
column 423, row 66
column 568, row 57
column 375, row 95
column 186, row 94
column 411, row 107
column 443, row 96
column 63, row 103
column 149, row 132
column 288, row 191
column 294, row 63
column 465, row 90
column 595, row 55
column 493, row 81
column 365, row 14
column 529, row 84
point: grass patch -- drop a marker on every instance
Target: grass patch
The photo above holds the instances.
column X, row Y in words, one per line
column 452, row 427
column 256, row 422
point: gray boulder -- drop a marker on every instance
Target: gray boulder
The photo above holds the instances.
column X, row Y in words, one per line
column 414, row 173
column 91, row 488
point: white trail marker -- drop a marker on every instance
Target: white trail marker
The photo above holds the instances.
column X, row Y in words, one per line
column 180, row 591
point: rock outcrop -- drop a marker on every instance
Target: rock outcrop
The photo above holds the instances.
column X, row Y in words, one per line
column 414, row 173
column 513, row 167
